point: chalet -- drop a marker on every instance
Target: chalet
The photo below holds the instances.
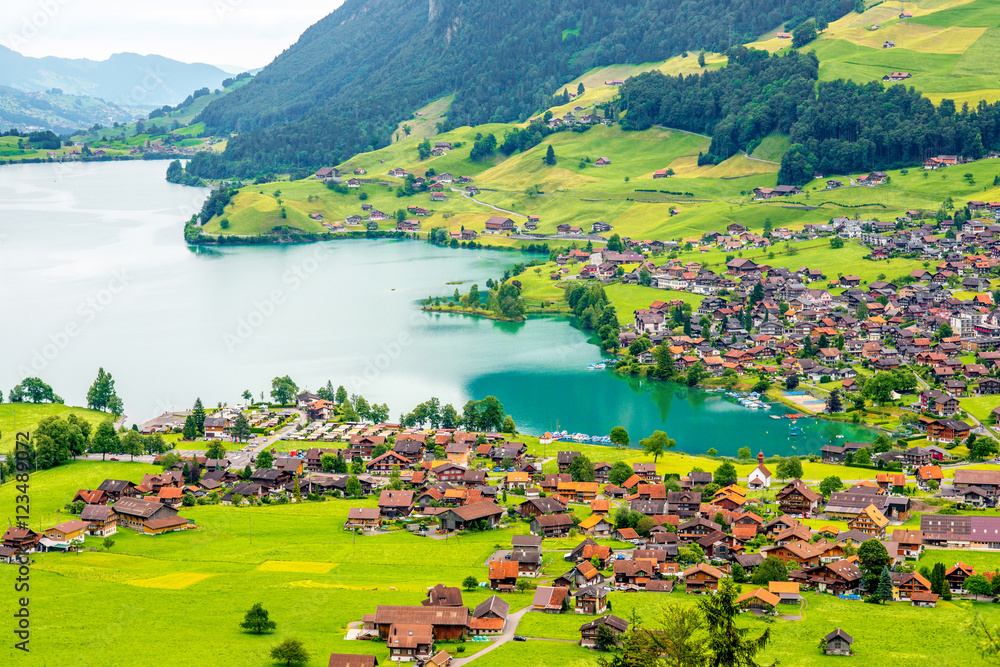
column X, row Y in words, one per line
column 489, row 617
column 564, row 459
column 588, row 631
column 410, row 641
column 101, row 520
column 555, row 525
column 502, row 574
column 842, row 576
column 363, row 518
column 701, row 578
column 352, row 660
column 591, row 600
column 21, row 540
column 550, row 599
column 602, row 162
column 870, row 521
column 327, row 173
column 499, row 225
column 596, row 525
column 759, row 600
column 116, row 489
column 482, row 513
column 800, row 553
column 135, row 513
column 394, row 504
column 449, row 623
column 946, row 430
column 635, row 572
column 67, row 532
column 797, row 499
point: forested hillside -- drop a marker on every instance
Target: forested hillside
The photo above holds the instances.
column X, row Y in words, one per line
column 351, row 78
column 835, row 127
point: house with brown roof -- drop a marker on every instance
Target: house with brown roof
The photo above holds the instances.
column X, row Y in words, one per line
column 503, row 574
column 591, row 600
column 701, row 578
column 395, row 504
column 869, row 521
column 101, row 520
column 552, row 525
column 797, row 499
column 800, row 553
column 135, row 513
column 588, row 631
column 549, row 599
column 364, row 518
column 351, row 660
column 448, row 622
column 410, row 641
column 759, row 600
column 483, row 513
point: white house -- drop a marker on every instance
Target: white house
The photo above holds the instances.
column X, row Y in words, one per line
column 759, row 478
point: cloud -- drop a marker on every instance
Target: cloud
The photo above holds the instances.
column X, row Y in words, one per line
column 245, row 33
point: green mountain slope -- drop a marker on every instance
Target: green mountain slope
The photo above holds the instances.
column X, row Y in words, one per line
column 351, row 78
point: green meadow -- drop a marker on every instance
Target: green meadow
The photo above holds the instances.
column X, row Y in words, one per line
column 314, row 579
column 15, row 417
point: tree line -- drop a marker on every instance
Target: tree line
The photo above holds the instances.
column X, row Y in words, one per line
column 835, row 126
column 346, row 84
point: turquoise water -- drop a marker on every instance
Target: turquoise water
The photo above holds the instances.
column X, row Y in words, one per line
column 94, row 272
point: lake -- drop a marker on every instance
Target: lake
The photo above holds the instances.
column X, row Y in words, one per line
column 94, row 272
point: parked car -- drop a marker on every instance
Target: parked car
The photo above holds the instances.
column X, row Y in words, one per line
column 519, row 638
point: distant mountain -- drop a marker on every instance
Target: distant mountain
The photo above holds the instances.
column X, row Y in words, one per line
column 344, row 86
column 125, row 79
column 61, row 113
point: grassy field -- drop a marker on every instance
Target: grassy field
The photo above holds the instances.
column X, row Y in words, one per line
column 948, row 47
column 295, row 559
column 15, row 417
column 979, row 406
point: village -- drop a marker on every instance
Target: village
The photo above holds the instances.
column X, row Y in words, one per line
column 627, row 528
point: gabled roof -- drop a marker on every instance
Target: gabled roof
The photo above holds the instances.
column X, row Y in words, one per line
column 839, row 633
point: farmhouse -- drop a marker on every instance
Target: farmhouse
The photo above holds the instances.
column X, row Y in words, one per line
column 135, row 513
column 461, row 518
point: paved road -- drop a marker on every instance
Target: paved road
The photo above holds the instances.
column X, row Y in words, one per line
column 495, row 208
column 508, row 634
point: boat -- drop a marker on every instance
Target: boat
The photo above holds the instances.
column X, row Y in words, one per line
column 597, row 367
column 775, row 417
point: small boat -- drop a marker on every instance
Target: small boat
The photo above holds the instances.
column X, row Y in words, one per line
column 775, row 417
column 840, row 436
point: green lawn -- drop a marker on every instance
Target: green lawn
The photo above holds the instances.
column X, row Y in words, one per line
column 15, row 417
column 979, row 407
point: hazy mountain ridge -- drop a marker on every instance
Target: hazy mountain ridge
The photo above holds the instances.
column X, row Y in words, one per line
column 125, row 79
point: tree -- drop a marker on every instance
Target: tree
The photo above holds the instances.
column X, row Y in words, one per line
column 105, row 439
column 190, row 430
column 803, row 34
column 615, row 243
column 581, row 469
column 731, row 646
column 264, row 460
column 198, row 415
column 550, row 156
column 341, row 395
column 353, row 487
column 656, row 444
column 108, row 543
column 470, row 582
column 725, row 474
column 979, row 586
column 101, row 394
column 939, row 582
column 619, row 472
column 605, row 638
column 879, row 387
column 284, row 390
column 131, row 443
column 257, row 620
column 771, row 569
column 169, row 460
column 248, row 397
column 863, row 456
column 883, row 593
column 216, row 450
column 744, row 454
column 328, row 461
column 792, row 381
column 739, row 574
column 290, row 650
column 872, row 557
column 619, row 436
column 833, row 402
column 790, row 468
column 240, row 431
column 830, row 484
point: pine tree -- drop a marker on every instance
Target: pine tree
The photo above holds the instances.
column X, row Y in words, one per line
column 833, row 402
column 198, row 412
column 550, row 156
column 884, row 591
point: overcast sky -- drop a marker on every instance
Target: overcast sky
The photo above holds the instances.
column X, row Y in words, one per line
column 244, row 33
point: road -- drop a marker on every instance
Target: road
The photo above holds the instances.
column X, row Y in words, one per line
column 513, row 620
column 495, row 208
